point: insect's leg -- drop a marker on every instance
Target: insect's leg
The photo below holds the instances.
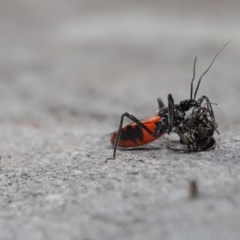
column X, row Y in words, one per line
column 170, row 112
column 202, row 98
column 161, row 104
column 200, row 101
column 209, row 105
column 119, row 132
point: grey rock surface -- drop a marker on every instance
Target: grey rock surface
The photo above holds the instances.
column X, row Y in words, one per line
column 68, row 70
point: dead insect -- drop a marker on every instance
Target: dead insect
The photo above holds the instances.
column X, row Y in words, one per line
column 197, row 129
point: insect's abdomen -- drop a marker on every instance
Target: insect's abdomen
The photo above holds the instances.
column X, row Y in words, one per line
column 132, row 135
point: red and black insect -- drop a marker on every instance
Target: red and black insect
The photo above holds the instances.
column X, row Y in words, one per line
column 195, row 129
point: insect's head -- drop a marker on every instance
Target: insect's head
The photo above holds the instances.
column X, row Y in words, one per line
column 185, row 105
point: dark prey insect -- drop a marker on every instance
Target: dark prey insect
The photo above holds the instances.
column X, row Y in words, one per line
column 193, row 120
column 197, row 129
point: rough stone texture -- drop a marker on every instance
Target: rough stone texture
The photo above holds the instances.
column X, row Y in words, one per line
column 68, row 69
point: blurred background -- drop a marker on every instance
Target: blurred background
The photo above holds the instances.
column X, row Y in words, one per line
column 84, row 62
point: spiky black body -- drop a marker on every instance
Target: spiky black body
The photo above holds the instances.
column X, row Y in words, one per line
column 197, row 129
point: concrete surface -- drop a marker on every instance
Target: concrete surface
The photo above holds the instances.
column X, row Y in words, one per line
column 68, row 70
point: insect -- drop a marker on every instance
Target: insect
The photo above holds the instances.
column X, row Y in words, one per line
column 195, row 129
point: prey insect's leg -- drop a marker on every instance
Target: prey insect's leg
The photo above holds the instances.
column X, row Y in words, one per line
column 200, row 101
column 119, row 132
column 209, row 105
column 161, row 104
column 170, row 112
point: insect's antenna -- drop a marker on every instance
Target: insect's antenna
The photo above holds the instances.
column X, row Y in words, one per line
column 194, row 68
column 200, row 79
